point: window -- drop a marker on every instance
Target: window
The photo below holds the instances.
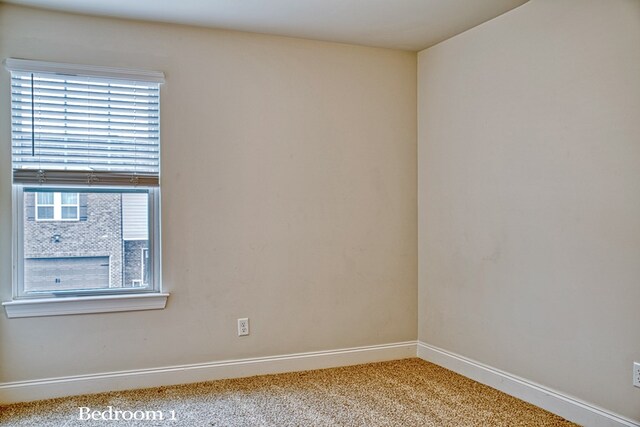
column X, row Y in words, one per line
column 56, row 206
column 86, row 168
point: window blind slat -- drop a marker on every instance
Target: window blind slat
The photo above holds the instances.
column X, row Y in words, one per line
column 62, row 146
column 45, row 79
column 86, row 86
column 64, row 126
column 19, row 116
column 17, row 86
column 82, row 108
column 116, row 165
column 23, row 116
column 79, row 125
column 89, row 138
column 83, row 96
column 77, row 101
column 80, row 152
column 100, row 128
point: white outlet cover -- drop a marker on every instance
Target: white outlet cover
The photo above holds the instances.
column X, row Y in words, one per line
column 243, row 326
column 636, row 374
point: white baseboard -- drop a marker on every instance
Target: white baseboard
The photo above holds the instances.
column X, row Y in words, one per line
column 25, row 391
column 568, row 407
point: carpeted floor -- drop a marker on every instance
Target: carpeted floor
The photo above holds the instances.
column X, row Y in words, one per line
column 408, row 392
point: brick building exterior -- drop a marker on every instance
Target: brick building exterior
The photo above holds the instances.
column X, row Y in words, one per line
column 133, row 267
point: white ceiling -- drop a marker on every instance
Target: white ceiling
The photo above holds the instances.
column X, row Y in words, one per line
column 400, row 24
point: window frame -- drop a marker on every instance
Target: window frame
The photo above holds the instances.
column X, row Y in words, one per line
column 131, row 299
column 77, row 301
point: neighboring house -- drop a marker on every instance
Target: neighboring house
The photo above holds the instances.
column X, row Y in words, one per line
column 85, row 240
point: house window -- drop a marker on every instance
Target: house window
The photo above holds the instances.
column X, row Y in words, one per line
column 86, row 167
column 56, row 206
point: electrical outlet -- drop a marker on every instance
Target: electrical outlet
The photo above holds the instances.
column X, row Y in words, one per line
column 243, row 326
column 636, row 374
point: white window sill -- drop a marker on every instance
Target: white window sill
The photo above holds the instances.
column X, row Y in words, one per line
column 84, row 305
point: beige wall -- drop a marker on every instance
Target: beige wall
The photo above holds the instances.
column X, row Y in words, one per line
column 289, row 196
column 529, row 196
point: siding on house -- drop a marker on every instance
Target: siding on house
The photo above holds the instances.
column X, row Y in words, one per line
column 135, row 218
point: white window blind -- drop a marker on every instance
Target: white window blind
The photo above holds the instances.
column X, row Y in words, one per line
column 84, row 125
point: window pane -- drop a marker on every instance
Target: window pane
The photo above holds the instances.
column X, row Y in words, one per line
column 101, row 250
column 69, row 212
column 45, row 212
column 45, row 199
column 69, row 199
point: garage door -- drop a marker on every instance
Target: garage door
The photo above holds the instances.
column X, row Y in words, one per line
column 56, row 274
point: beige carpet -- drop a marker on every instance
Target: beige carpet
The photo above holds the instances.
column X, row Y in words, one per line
column 408, row 392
